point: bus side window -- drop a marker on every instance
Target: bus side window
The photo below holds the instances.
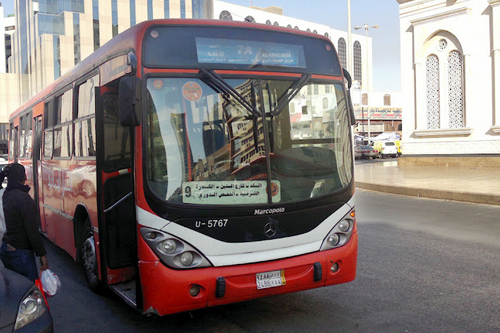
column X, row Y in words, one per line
column 48, row 144
column 85, row 131
column 62, row 128
column 48, row 138
column 13, row 143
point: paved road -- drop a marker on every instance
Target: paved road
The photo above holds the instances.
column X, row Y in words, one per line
column 424, row 266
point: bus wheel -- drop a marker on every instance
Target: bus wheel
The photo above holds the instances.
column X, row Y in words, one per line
column 89, row 260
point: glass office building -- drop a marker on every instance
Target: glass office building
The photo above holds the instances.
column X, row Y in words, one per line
column 52, row 36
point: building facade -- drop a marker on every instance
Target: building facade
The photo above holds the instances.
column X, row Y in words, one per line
column 376, row 111
column 7, row 29
column 361, row 48
column 9, row 96
column 450, row 65
column 52, row 36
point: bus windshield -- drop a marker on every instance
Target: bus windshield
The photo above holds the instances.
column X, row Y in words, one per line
column 206, row 146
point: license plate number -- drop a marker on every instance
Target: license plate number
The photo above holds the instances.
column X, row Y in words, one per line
column 270, row 279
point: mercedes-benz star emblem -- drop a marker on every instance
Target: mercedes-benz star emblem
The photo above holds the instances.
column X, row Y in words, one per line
column 270, row 229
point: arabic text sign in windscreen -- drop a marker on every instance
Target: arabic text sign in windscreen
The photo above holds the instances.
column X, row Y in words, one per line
column 246, row 52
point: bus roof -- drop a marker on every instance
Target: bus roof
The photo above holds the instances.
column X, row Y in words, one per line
column 131, row 40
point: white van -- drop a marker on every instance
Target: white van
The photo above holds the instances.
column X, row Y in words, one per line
column 386, row 148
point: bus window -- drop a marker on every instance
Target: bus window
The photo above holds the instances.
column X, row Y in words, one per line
column 48, row 138
column 85, row 132
column 13, row 142
column 62, row 141
column 62, row 128
column 85, row 136
column 48, row 144
column 117, row 138
column 86, row 98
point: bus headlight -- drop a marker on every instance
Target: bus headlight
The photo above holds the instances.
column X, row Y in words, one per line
column 169, row 246
column 333, row 239
column 173, row 251
column 344, row 225
column 341, row 232
column 187, row 258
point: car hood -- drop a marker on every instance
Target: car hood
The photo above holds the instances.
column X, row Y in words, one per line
column 13, row 287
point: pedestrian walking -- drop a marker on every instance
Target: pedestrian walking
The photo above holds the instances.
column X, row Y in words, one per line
column 22, row 239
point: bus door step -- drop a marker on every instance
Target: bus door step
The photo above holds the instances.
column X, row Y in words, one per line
column 126, row 291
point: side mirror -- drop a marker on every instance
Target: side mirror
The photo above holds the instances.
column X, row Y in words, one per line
column 129, row 101
column 347, row 76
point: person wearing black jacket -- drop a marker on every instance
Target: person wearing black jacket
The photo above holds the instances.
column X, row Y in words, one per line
column 22, row 240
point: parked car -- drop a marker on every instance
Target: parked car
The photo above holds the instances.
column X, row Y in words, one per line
column 22, row 305
column 357, row 152
column 366, row 151
column 386, row 148
column 399, row 145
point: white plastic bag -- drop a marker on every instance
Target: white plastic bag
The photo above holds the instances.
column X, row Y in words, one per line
column 50, row 282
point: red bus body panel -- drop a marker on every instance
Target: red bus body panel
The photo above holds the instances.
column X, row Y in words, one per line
column 166, row 291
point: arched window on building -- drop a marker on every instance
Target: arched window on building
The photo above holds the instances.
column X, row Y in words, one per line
column 325, row 103
column 225, row 15
column 387, row 100
column 432, row 94
column 289, row 26
column 276, row 23
column 364, row 99
column 358, row 69
column 327, row 35
column 269, row 22
column 342, row 52
column 455, row 90
column 315, row 31
column 249, row 19
column 444, row 80
column 296, row 27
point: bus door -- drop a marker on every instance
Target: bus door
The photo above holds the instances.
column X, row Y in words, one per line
column 118, row 222
column 37, row 175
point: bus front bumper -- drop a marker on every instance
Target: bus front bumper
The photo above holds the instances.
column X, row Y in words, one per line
column 166, row 291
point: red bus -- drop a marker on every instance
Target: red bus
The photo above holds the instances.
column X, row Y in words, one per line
column 195, row 163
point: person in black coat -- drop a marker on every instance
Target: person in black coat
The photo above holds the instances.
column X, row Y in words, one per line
column 22, row 240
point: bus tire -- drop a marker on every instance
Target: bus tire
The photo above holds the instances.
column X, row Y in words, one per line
column 89, row 259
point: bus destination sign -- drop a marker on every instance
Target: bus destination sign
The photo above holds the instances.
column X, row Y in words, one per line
column 229, row 192
column 246, row 52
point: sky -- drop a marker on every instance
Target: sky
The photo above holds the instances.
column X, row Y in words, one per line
column 385, row 13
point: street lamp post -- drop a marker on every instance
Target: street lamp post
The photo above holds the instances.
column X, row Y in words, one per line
column 357, row 85
column 349, row 38
column 366, row 26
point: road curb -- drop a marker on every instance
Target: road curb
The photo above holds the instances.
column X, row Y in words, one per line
column 431, row 193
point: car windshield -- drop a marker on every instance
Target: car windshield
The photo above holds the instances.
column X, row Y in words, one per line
column 366, row 147
column 211, row 146
column 390, row 144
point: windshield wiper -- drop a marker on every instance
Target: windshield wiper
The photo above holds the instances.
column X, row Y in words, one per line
column 287, row 97
column 220, row 86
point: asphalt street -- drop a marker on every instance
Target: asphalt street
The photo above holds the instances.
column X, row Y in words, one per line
column 423, row 266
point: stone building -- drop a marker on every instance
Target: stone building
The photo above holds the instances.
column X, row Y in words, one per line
column 450, row 69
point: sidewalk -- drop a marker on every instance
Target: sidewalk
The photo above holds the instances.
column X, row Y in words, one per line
column 477, row 185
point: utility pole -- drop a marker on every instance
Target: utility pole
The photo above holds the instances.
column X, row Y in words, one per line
column 349, row 39
column 366, row 26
